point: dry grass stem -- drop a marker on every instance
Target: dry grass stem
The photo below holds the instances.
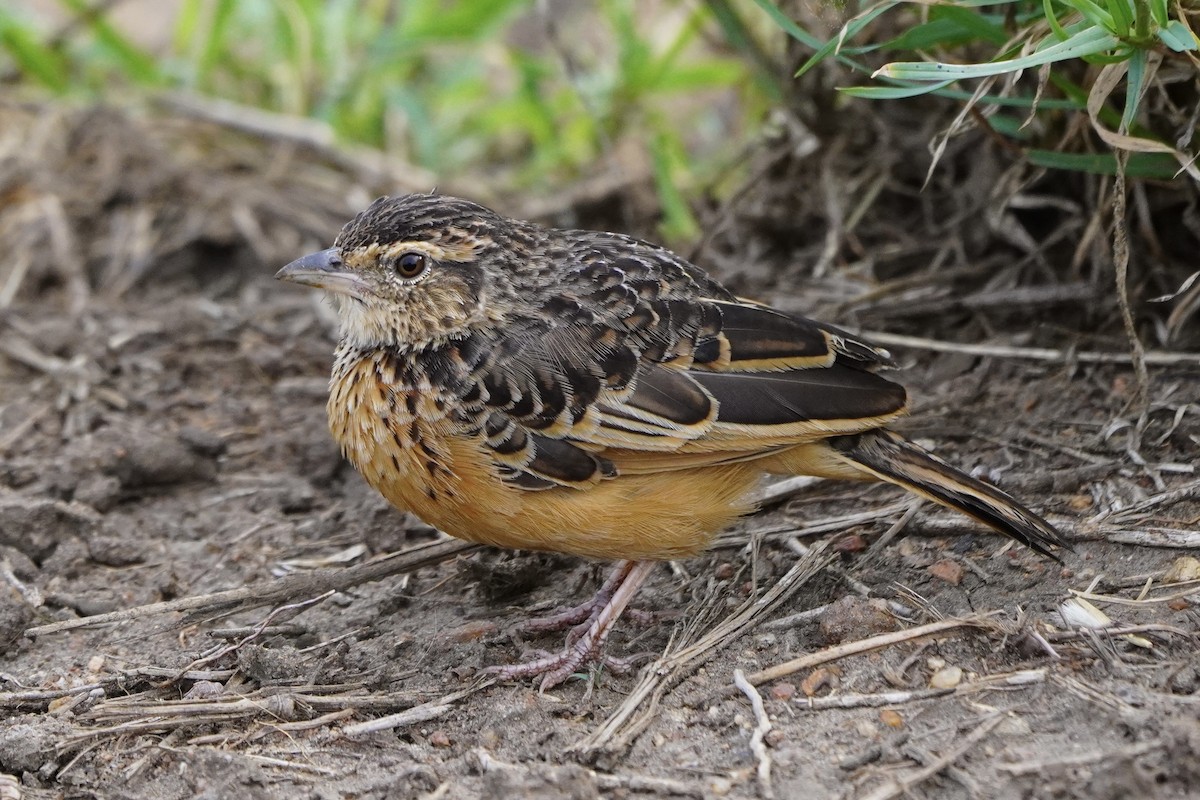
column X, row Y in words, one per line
column 422, row 713
column 630, row 719
column 1041, row 767
column 841, row 651
column 279, row 591
column 758, row 745
column 903, row 785
column 1018, row 679
column 1154, row 358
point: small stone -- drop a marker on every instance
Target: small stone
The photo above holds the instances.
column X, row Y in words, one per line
column 724, row 571
column 15, row 616
column 206, row 443
column 116, row 550
column 439, row 739
column 151, row 459
column 935, row 663
column 946, row 678
column 783, row 690
column 852, row 618
column 1080, row 502
column 775, row 737
column 891, row 718
column 28, row 743
column 95, row 664
column 866, row 729
column 1184, row 568
column 947, row 570
column 1179, row 604
column 36, row 526
column 720, row 786
column 101, row 492
column 1013, row 725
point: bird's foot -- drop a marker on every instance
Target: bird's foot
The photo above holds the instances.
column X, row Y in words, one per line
column 556, row 668
column 593, row 622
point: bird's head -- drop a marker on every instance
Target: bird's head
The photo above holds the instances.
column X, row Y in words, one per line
column 413, row 271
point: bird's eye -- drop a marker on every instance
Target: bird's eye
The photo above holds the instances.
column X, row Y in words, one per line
column 411, row 266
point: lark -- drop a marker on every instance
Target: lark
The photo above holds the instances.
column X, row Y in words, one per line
column 593, row 394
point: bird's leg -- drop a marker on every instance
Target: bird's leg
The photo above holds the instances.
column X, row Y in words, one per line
column 584, row 612
column 587, row 648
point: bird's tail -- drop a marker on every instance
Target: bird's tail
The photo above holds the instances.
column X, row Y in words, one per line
column 894, row 459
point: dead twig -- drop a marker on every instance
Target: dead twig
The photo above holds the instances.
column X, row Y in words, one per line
column 757, row 744
column 422, row 713
column 630, row 719
column 838, row 652
column 258, row 631
column 279, row 591
column 902, row 785
column 880, row 699
column 1154, row 358
column 1081, row 760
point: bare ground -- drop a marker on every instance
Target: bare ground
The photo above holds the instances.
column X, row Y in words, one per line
column 166, row 440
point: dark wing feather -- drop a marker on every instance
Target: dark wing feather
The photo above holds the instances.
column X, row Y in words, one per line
column 639, row 362
column 785, row 398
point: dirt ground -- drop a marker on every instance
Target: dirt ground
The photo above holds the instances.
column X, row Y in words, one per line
column 168, row 441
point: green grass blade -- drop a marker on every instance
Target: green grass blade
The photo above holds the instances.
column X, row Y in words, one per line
column 1089, row 42
column 893, row 92
column 133, row 62
column 678, row 221
column 32, row 57
column 1135, row 81
column 1178, row 37
column 785, row 22
column 1093, row 13
column 1161, row 166
column 1052, row 19
column 848, row 31
column 1159, row 12
column 972, row 22
column 1121, row 14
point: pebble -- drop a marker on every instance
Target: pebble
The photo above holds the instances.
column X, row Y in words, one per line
column 947, row 570
column 1184, row 568
column 150, row 459
column 720, row 786
column 852, row 618
column 36, row 526
column 783, row 690
column 946, row 678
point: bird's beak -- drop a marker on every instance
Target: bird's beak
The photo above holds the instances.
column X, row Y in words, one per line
column 324, row 270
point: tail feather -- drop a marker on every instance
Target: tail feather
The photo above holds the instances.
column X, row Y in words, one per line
column 894, row 459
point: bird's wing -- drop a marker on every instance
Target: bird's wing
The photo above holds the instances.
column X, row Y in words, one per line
column 636, row 367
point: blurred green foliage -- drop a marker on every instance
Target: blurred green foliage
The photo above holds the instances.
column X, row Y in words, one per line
column 529, row 93
column 532, row 94
column 938, row 49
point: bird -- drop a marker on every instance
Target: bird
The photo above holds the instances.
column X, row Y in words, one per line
column 593, row 394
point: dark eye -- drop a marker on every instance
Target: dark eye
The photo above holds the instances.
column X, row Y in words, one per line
column 412, row 265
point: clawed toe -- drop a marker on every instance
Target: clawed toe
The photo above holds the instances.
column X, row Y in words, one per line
column 585, row 643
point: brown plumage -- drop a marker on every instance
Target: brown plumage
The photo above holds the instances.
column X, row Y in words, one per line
column 592, row 394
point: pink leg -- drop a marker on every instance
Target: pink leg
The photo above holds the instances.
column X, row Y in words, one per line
column 584, row 612
column 587, row 648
